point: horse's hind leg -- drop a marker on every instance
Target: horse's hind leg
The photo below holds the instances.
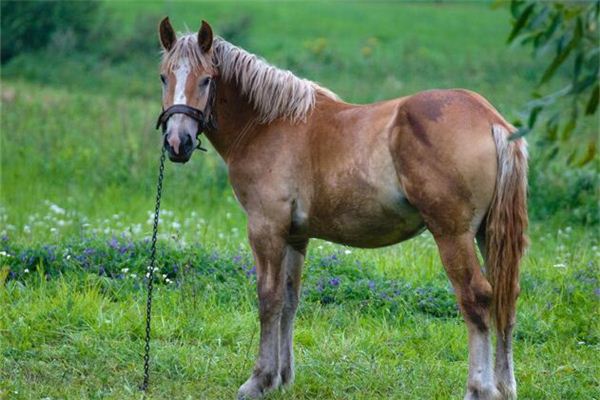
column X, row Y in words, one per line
column 474, row 296
column 503, row 369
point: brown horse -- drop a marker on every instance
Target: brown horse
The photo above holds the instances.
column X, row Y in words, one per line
column 304, row 164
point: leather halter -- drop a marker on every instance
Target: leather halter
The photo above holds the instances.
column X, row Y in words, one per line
column 204, row 118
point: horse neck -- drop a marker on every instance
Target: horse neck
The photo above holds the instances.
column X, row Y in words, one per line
column 236, row 118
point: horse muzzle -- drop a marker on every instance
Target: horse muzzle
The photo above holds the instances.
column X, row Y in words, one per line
column 179, row 146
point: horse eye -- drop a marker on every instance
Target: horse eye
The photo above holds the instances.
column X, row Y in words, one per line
column 205, row 81
column 163, row 79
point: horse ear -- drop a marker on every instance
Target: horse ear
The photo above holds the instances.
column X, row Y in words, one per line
column 205, row 37
column 167, row 34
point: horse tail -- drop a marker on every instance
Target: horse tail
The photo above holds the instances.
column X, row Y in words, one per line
column 506, row 225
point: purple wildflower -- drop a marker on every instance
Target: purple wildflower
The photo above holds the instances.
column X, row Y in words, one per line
column 114, row 243
column 334, row 281
column 251, row 271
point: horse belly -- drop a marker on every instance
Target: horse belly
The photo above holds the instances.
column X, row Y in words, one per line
column 373, row 218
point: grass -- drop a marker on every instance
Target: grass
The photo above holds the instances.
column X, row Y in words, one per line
column 79, row 158
column 77, row 332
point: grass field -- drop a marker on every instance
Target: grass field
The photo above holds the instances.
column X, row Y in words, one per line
column 79, row 160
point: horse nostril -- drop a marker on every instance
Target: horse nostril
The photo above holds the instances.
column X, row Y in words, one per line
column 165, row 142
column 187, row 142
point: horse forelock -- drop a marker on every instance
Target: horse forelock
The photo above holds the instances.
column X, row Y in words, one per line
column 273, row 92
column 186, row 49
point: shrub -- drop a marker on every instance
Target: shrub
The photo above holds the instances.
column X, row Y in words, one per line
column 572, row 193
column 31, row 25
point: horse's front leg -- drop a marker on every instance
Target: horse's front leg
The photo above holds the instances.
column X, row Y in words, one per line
column 293, row 262
column 269, row 249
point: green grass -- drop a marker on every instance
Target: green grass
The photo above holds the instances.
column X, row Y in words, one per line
column 78, row 165
column 79, row 335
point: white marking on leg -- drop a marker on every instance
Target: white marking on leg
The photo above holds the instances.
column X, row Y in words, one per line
column 481, row 383
column 504, row 370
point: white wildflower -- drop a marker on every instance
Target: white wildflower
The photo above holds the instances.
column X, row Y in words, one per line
column 124, row 270
column 26, row 271
column 56, row 209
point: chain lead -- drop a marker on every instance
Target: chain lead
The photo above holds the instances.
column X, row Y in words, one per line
column 150, row 274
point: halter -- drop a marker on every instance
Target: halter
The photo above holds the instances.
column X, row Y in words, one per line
column 204, row 118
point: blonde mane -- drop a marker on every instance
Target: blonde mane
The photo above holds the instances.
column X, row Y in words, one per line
column 274, row 93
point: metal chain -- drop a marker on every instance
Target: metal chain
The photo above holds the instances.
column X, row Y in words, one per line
column 150, row 274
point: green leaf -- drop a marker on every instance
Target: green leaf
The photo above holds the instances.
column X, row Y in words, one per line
column 518, row 134
column 559, row 59
column 533, row 116
column 582, row 85
column 592, row 104
column 514, row 7
column 552, row 27
column 589, row 155
column 552, row 154
column 520, row 23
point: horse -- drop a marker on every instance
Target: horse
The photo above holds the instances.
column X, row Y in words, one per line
column 304, row 164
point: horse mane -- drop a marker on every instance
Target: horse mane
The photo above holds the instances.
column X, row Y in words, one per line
column 274, row 93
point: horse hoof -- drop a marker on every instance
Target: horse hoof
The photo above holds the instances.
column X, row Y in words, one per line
column 508, row 392
column 257, row 386
column 483, row 393
column 287, row 377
